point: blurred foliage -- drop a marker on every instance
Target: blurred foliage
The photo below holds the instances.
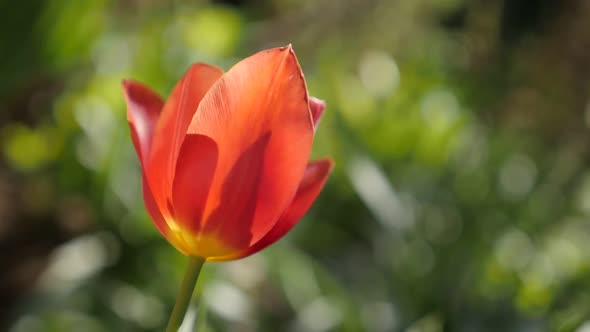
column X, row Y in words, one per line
column 460, row 201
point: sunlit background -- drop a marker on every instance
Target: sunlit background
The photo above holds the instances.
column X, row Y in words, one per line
column 460, row 200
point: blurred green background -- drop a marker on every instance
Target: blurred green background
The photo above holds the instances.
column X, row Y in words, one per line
column 460, row 200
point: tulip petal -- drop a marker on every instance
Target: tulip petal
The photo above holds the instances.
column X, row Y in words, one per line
column 316, row 107
column 153, row 210
column 172, row 126
column 143, row 111
column 174, row 238
column 311, row 185
column 230, row 222
column 194, row 172
column 258, row 113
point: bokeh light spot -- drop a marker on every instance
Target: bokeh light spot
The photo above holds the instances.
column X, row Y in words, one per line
column 379, row 73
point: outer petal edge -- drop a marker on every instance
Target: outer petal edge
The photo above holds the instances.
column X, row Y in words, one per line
column 143, row 112
column 311, row 185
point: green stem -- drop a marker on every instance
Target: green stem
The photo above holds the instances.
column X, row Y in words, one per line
column 186, row 291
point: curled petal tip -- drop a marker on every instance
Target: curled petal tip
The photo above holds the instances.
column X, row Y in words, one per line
column 138, row 93
column 126, row 84
column 130, row 86
column 317, row 102
column 316, row 107
column 143, row 110
column 287, row 48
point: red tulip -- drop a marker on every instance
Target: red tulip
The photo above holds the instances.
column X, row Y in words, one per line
column 225, row 158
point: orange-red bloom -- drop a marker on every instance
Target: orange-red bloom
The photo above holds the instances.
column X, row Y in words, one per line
column 225, row 158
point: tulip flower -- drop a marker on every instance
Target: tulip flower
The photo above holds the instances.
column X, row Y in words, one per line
column 225, row 158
